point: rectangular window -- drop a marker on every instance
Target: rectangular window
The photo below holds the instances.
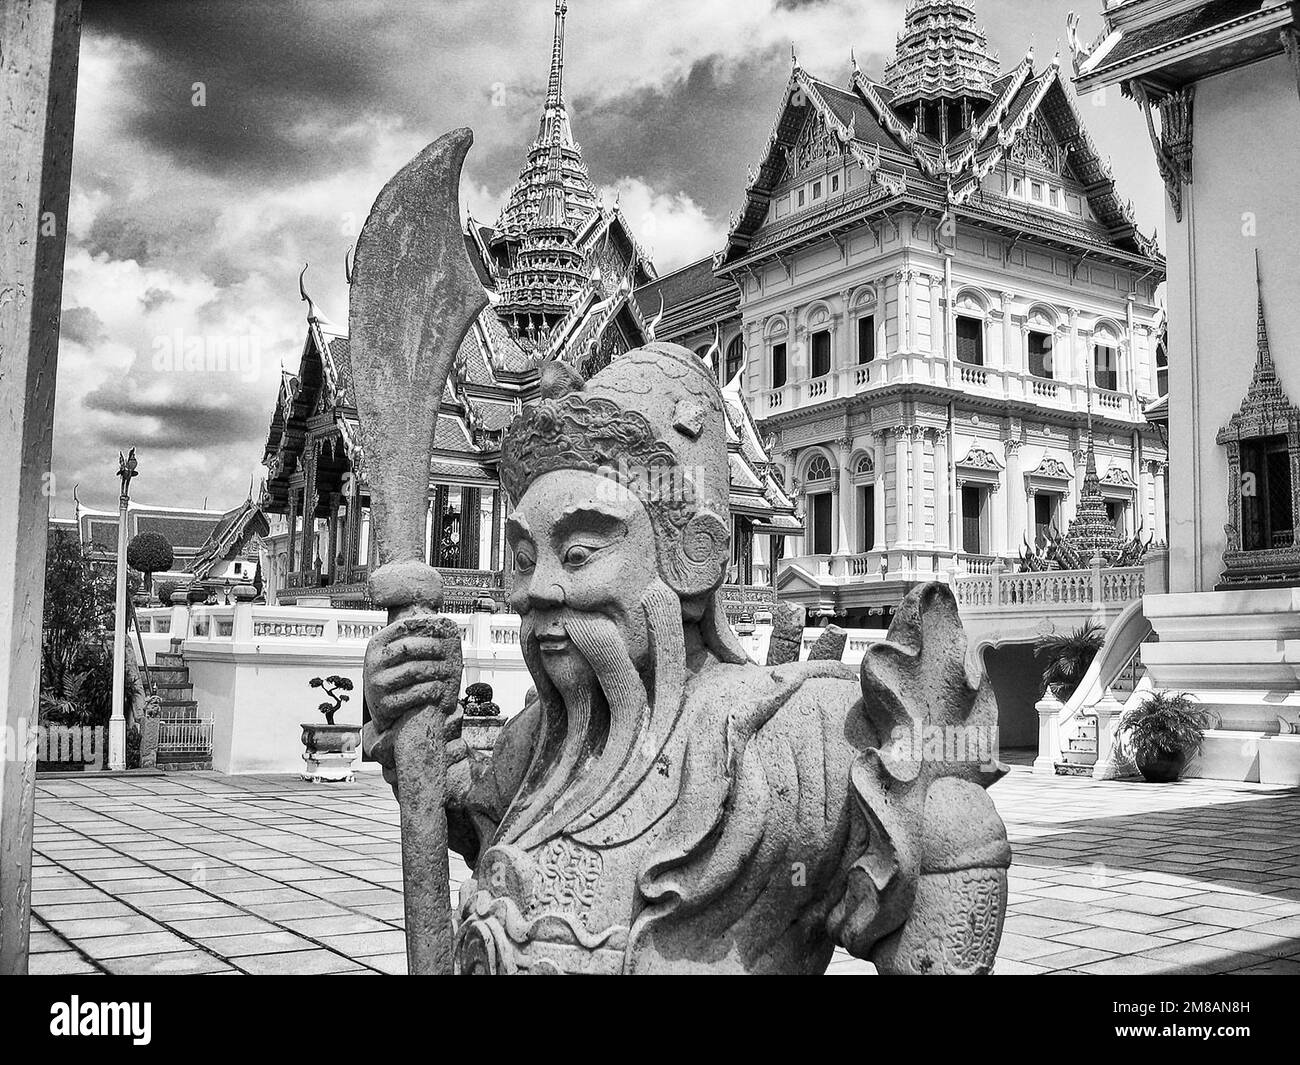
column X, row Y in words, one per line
column 970, row 340
column 820, row 505
column 817, row 190
column 1040, row 354
column 866, row 339
column 1038, row 192
column 821, row 353
column 778, row 365
column 801, row 197
column 866, row 519
column 1054, row 197
column 835, row 183
column 1266, row 501
column 972, row 514
column 1105, row 360
column 1117, row 512
column 1045, row 506
column 1017, row 186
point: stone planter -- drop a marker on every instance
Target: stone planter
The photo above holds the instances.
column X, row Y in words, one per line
column 331, row 751
column 480, row 733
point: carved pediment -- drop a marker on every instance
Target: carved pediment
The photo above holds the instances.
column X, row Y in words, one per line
column 1052, row 469
column 979, row 459
column 1118, row 478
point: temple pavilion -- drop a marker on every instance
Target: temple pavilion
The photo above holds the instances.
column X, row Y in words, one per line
column 562, row 272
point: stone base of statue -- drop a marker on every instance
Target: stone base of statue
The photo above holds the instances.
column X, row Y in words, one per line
column 480, row 733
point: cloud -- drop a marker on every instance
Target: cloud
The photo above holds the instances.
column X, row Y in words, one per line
column 195, row 220
column 671, row 227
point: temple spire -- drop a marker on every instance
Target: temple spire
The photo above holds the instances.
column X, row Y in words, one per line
column 555, row 90
column 1264, row 354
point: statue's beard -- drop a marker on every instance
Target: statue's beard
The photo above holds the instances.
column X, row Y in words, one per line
column 604, row 722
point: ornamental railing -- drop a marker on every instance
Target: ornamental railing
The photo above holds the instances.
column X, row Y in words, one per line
column 1003, row 590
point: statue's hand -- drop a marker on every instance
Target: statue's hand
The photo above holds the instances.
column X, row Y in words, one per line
column 409, row 665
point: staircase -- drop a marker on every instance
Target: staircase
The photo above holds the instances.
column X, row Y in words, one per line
column 184, row 737
column 1078, row 747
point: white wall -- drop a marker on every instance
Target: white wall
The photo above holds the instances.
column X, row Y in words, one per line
column 1246, row 195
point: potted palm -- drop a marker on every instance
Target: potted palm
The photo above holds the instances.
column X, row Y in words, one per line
column 1068, row 656
column 1162, row 733
column 331, row 749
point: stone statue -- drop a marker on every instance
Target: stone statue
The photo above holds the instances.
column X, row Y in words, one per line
column 663, row 804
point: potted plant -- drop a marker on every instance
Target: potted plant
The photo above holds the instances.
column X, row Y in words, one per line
column 1162, row 733
column 1068, row 656
column 331, row 749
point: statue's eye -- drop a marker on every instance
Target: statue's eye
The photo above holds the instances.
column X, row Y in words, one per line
column 578, row 555
column 525, row 563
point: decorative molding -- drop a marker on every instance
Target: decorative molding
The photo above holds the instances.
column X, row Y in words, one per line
column 979, row 459
column 1118, row 478
column 1265, row 411
column 1051, row 469
column 1173, row 144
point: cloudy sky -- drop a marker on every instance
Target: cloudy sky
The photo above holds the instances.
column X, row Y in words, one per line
column 221, row 144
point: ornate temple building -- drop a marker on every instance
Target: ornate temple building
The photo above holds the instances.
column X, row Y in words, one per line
column 1219, row 86
column 562, row 272
column 931, row 291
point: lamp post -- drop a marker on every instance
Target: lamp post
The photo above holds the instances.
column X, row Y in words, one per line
column 126, row 469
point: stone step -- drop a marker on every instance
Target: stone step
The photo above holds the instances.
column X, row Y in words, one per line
column 172, row 659
column 169, row 674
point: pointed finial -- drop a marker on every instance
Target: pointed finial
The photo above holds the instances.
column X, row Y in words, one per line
column 853, row 60
column 302, row 291
column 347, row 263
column 555, row 90
column 1264, row 355
column 654, row 322
column 794, row 57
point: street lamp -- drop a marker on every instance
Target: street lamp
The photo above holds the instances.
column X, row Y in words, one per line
column 126, row 469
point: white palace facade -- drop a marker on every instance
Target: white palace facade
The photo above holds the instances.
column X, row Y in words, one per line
column 941, row 300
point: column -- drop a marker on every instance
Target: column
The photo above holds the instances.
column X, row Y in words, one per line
column 917, row 493
column 332, row 542
column 942, row 509
column 293, row 531
column 310, row 501
column 999, row 523
column 878, row 458
column 1162, row 518
column 844, row 494
column 429, row 526
column 1010, row 334
column 37, row 95
column 904, row 527
column 1017, row 503
column 496, row 530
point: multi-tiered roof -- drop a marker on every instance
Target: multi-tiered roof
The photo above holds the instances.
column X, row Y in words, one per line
column 928, row 135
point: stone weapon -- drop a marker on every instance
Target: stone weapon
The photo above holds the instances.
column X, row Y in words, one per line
column 414, row 296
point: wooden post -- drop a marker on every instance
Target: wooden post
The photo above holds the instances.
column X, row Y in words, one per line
column 38, row 90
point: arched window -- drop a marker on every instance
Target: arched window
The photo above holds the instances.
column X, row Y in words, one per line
column 1105, row 358
column 819, row 469
column 735, row 357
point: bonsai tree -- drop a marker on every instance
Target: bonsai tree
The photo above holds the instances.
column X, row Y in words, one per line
column 335, row 689
column 1162, row 732
column 165, row 590
column 149, row 553
column 1068, row 656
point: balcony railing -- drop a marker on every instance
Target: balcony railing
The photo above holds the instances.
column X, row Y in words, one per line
column 998, row 382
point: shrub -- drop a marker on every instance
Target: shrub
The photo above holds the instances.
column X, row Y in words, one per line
column 1068, row 657
column 149, row 553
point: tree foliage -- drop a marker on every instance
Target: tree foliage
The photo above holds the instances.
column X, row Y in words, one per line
column 1068, row 656
column 149, row 553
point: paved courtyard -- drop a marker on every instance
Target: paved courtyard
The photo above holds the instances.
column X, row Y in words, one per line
column 201, row 873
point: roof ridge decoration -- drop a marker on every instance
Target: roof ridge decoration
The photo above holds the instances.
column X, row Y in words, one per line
column 941, row 53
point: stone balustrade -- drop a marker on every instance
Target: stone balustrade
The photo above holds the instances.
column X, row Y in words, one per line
column 996, row 382
column 999, row 589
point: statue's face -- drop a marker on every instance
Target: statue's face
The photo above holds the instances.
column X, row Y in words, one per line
column 583, row 545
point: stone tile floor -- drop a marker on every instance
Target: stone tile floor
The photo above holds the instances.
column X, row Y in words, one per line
column 202, row 873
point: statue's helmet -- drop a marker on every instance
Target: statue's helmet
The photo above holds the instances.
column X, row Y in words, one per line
column 653, row 422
